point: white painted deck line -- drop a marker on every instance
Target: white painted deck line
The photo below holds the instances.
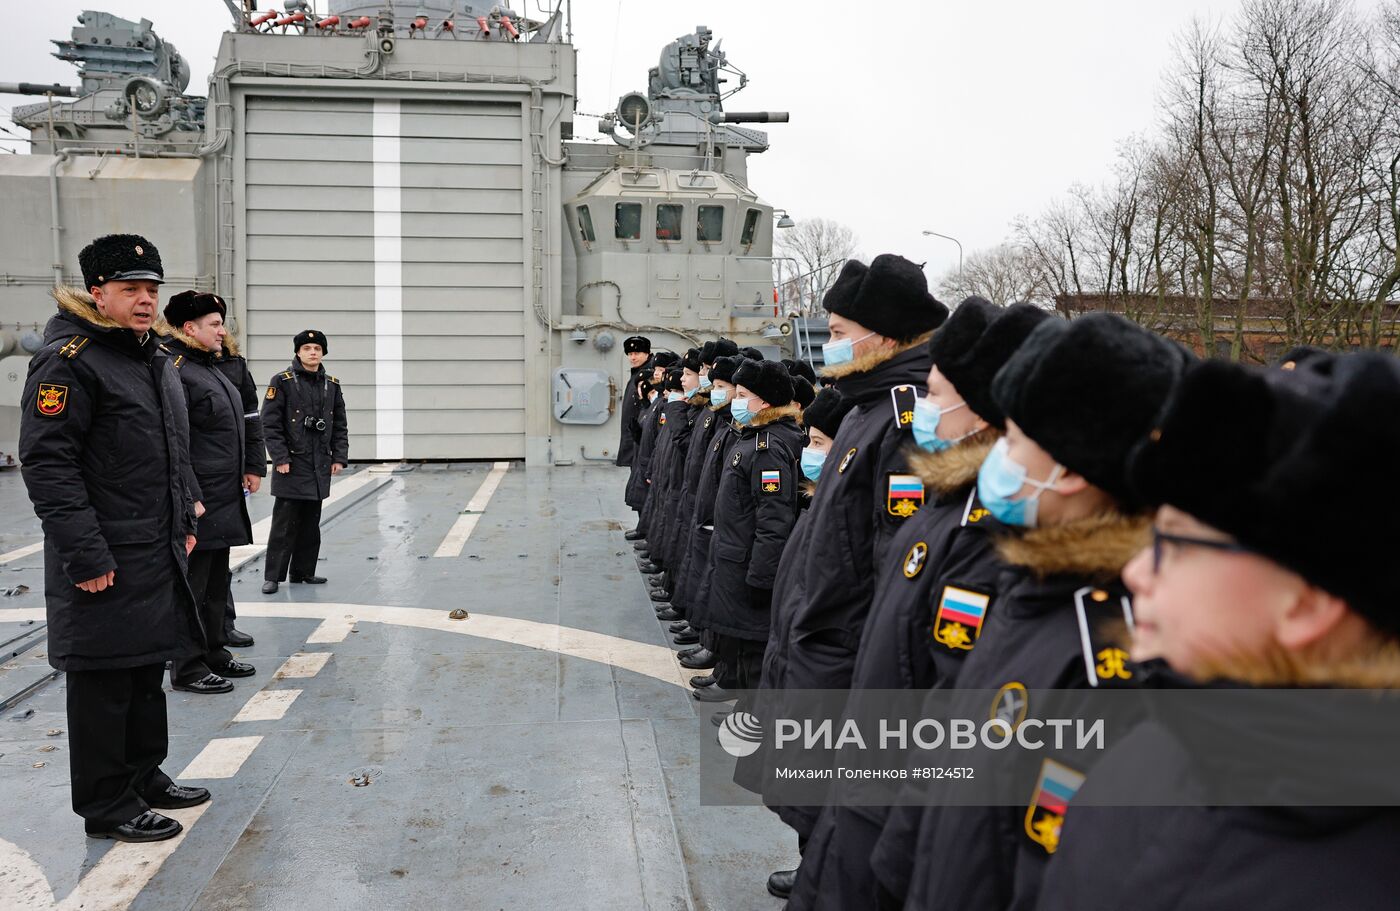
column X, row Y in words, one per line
column 220, row 758
column 21, row 553
column 462, row 529
column 305, row 665
column 267, row 705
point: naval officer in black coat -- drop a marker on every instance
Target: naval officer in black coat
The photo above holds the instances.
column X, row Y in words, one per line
column 308, row 440
column 104, row 446
column 638, row 352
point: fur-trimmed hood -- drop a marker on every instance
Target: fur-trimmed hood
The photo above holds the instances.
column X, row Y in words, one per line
column 776, row 413
column 869, row 361
column 1097, row 548
column 79, row 303
column 955, row 468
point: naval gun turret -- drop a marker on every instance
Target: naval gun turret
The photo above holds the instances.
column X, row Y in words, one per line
column 132, row 92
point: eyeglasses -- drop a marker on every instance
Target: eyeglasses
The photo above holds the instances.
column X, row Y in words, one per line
column 1160, row 538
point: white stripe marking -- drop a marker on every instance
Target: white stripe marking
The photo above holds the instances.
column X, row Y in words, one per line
column 23, row 552
column 332, row 629
column 303, row 665
column 221, row 758
column 267, row 705
column 462, row 529
column 388, row 282
column 118, row 878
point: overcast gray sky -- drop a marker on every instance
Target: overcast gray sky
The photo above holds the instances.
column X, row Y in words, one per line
column 955, row 117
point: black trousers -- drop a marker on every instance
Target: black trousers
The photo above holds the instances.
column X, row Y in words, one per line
column 294, row 541
column 740, row 662
column 209, row 581
column 117, row 739
column 230, row 615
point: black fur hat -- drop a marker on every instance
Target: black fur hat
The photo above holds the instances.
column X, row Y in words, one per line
column 975, row 342
column 665, row 359
column 826, row 411
column 803, row 391
column 802, row 369
column 189, row 305
column 311, row 337
column 1086, row 391
column 1263, row 455
column 767, row 380
column 890, row 297
column 120, row 257
column 673, row 380
column 691, row 360
column 637, row 344
column 751, row 353
column 723, row 369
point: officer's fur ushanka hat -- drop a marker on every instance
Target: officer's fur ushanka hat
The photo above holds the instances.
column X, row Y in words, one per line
column 827, row 410
column 637, row 344
column 673, row 380
column 976, row 342
column 1087, row 390
column 768, row 380
column 120, row 257
column 715, row 348
column 802, row 369
column 691, row 360
column 192, row 305
column 1261, row 453
column 723, row 369
column 751, row 353
column 311, row 337
column 890, row 297
column 665, row 359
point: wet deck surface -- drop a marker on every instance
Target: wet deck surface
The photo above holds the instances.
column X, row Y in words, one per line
column 542, row 753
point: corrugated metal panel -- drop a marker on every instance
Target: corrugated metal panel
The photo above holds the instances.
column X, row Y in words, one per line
column 314, row 196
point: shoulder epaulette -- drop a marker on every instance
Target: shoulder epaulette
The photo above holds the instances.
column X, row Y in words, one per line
column 760, row 442
column 903, row 398
column 1106, row 663
column 74, row 346
column 332, row 379
column 287, row 375
column 179, row 359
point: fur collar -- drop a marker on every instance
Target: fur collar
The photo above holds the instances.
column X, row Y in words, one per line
column 165, row 330
column 719, row 408
column 700, row 399
column 953, row 469
column 1098, row 547
column 775, row 413
column 868, row 362
column 80, row 304
column 231, row 346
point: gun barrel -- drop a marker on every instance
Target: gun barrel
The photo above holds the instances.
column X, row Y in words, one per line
column 755, row 117
column 33, row 88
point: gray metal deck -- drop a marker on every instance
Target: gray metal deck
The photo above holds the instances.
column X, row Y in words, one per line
column 540, row 754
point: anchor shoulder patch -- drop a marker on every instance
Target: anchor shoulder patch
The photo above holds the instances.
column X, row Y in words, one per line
column 1098, row 611
column 271, row 393
column 914, row 560
column 846, row 461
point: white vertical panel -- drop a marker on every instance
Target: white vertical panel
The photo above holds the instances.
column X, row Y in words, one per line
column 388, row 282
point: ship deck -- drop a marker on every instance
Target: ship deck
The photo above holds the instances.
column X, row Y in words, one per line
column 542, row 753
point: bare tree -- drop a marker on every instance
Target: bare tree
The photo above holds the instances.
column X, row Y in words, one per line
column 1003, row 274
column 807, row 259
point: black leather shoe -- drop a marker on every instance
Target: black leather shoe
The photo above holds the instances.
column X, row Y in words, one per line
column 238, row 639
column 679, row 626
column 641, row 544
column 235, row 669
column 649, row 568
column 714, row 693
column 310, row 580
column 146, row 827
column 780, row 883
column 634, row 535
column 643, row 555
column 660, row 595
column 657, row 581
column 717, row 718
column 209, row 683
column 269, row 588
column 701, row 682
column 687, row 652
column 668, row 614
column 176, row 797
column 703, row 660
column 689, row 637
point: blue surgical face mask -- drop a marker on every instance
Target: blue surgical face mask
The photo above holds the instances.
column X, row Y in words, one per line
column 719, row 396
column 690, row 393
column 1001, row 478
column 705, row 382
column 812, row 460
column 674, row 396
column 927, row 416
column 842, row 352
column 739, row 409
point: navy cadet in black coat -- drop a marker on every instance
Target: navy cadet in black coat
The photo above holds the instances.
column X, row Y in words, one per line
column 1253, row 582
column 661, row 469
column 219, row 457
column 234, row 366
column 637, row 350
column 881, row 317
column 649, row 422
column 1078, row 396
column 662, row 527
column 943, row 556
column 308, row 440
column 755, row 511
column 104, row 446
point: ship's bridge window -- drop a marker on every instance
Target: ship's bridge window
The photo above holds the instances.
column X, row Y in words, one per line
column 627, row 221
column 585, row 225
column 668, row 222
column 750, row 227
column 709, row 224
